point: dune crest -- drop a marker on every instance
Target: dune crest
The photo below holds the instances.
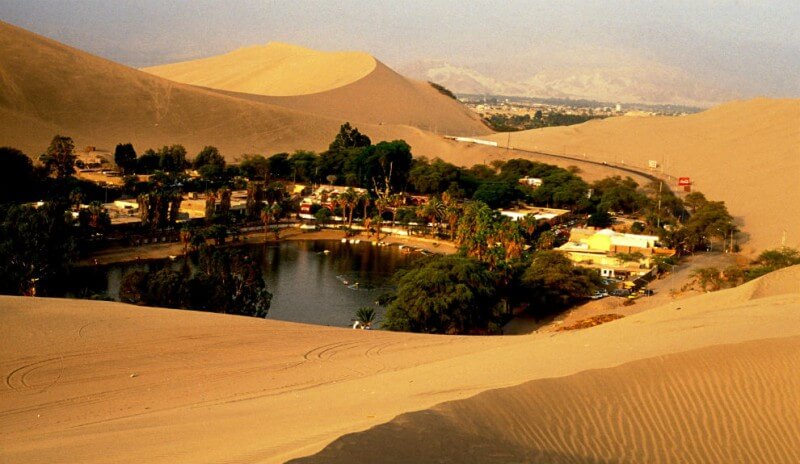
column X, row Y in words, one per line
column 274, row 69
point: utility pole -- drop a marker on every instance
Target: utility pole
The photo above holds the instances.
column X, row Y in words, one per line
column 658, row 213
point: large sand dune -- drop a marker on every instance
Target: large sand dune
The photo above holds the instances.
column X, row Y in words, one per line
column 714, row 376
column 49, row 88
column 275, row 69
column 351, row 86
column 745, row 153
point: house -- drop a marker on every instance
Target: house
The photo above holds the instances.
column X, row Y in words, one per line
column 531, row 182
column 614, row 254
column 547, row 214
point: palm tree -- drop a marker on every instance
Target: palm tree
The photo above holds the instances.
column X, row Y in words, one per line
column 452, row 212
column 266, row 217
column 351, row 198
column 395, row 201
column 363, row 197
column 382, row 204
column 366, row 316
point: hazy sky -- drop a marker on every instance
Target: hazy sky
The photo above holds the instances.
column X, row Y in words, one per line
column 752, row 45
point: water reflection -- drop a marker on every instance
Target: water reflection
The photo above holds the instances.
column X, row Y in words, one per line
column 317, row 282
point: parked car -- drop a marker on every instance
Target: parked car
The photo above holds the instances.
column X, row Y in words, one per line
column 620, row 292
column 598, row 294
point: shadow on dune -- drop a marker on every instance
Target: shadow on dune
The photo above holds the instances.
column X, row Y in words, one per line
column 432, row 437
column 732, row 403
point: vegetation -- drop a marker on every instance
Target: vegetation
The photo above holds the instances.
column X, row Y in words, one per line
column 37, row 246
column 772, row 260
column 445, row 294
column 516, row 122
column 502, row 266
column 225, row 280
column 366, row 316
column 443, row 90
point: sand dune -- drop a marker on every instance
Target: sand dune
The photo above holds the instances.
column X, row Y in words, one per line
column 275, row 69
column 745, row 153
column 707, row 405
column 49, row 88
column 93, row 380
column 350, row 86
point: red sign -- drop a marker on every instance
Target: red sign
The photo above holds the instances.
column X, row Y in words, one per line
column 684, row 181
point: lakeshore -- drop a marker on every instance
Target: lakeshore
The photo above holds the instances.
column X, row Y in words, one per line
column 169, row 249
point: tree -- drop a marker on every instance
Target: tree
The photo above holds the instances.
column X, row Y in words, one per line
column 599, row 218
column 279, row 166
column 211, row 206
column 709, row 278
column 552, row 282
column 255, row 198
column 59, row 158
column 475, row 228
column 209, row 156
column 445, row 294
column 618, row 194
column 348, row 137
column 497, row 194
column 304, row 165
column 695, row 201
column 172, row 158
column 18, row 181
column 323, row 216
column 254, row 167
column 148, row 162
column 133, row 287
column 36, row 247
column 125, row 157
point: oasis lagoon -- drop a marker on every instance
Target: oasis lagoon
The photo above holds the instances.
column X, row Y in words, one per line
column 316, row 282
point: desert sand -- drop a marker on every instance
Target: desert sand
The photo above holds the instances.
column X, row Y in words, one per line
column 49, row 88
column 745, row 153
column 713, row 378
column 345, row 85
column 274, row 69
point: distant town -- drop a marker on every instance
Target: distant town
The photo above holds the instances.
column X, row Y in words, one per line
column 519, row 113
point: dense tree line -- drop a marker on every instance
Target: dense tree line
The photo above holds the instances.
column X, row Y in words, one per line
column 517, row 122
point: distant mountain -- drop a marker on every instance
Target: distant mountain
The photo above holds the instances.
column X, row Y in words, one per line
column 632, row 82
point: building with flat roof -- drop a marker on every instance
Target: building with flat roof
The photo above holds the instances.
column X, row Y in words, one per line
column 614, row 254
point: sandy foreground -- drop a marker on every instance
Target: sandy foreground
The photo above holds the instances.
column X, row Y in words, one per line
column 711, row 378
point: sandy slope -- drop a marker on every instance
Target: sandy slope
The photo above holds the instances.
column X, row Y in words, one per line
column 745, row 153
column 275, row 69
column 92, row 380
column 49, row 88
column 351, row 86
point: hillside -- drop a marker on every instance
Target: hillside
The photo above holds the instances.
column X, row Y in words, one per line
column 746, row 153
column 275, row 69
column 49, row 88
column 716, row 374
column 349, row 85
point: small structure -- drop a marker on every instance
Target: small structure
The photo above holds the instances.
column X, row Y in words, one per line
column 547, row 214
column 612, row 253
column 532, row 182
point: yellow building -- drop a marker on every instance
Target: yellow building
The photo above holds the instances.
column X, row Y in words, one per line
column 614, row 254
